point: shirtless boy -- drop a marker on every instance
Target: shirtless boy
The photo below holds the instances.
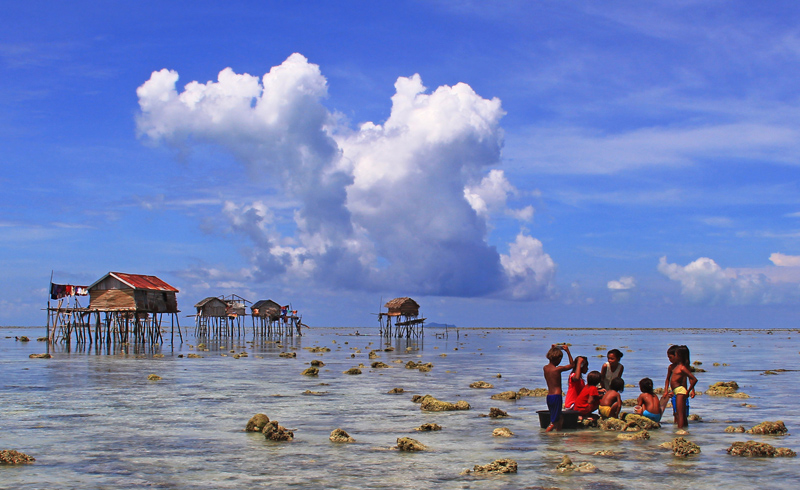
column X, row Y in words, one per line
column 552, row 375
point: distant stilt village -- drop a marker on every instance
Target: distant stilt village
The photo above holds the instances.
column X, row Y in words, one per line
column 139, row 309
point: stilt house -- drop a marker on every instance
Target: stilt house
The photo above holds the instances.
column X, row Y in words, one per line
column 132, row 292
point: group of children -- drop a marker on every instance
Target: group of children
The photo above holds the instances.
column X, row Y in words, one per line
column 601, row 390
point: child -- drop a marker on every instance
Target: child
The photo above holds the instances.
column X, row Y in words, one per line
column 648, row 404
column 552, row 374
column 575, row 381
column 612, row 369
column 611, row 402
column 589, row 398
column 675, row 385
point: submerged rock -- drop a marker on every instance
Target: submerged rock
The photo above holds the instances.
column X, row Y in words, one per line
column 194, row 356
column 506, row 395
column 373, row 354
column 640, row 421
column 634, row 436
column 681, row 447
column 257, row 423
column 409, row 444
column 288, row 354
column 153, row 377
column 10, row 456
column 275, row 432
column 496, row 412
column 566, row 464
column 354, row 370
column 731, row 428
column 630, row 402
column 759, row 449
column 605, row 452
column 722, row 388
column 418, row 398
column 498, row 466
column 379, row 365
column 695, row 418
column 534, row 392
column 40, row 356
column 502, row 432
column 481, row 385
column 431, row 404
column 23, row 338
column 769, row 428
column 428, row 427
column 317, row 363
column 396, row 391
column 338, row 435
column 312, row 371
column 612, row 424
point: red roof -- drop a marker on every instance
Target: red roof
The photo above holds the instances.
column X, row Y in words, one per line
column 139, row 281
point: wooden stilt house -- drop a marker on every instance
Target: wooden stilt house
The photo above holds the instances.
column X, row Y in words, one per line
column 405, row 312
column 270, row 318
column 122, row 308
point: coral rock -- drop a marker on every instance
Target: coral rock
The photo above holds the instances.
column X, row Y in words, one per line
column 431, row 404
column 731, row 428
column 10, row 456
column 275, row 432
column 317, row 363
column 502, row 432
column 379, row 365
column 634, row 436
column 534, row 392
column 409, row 444
column 722, row 388
column 681, row 447
column 481, row 385
column 753, row 448
column 506, row 395
column 312, row 371
column 640, row 421
column 396, row 391
column 338, row 435
column 428, row 427
column 153, row 377
column 566, row 464
column 498, row 466
column 353, row 371
column 496, row 412
column 770, row 428
column 257, row 423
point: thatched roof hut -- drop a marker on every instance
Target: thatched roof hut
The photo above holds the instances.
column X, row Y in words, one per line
column 266, row 308
column 211, row 306
column 402, row 307
column 132, row 292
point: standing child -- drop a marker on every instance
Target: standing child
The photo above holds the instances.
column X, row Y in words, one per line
column 611, row 369
column 552, row 374
column 678, row 372
column 648, row 404
column 589, row 398
column 611, row 403
column 575, row 381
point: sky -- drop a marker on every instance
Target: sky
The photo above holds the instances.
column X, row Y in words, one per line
column 506, row 164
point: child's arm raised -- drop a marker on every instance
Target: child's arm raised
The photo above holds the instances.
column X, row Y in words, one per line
column 569, row 354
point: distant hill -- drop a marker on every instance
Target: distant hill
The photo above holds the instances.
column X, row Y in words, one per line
column 439, row 325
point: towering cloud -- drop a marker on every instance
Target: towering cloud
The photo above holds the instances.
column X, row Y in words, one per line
column 403, row 205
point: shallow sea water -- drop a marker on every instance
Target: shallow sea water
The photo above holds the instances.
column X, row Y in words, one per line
column 92, row 419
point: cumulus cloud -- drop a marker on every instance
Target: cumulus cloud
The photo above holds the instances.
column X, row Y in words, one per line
column 405, row 204
column 624, row 283
column 782, row 260
column 705, row 282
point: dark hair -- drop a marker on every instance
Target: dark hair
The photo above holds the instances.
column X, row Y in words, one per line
column 672, row 349
column 555, row 354
column 593, row 378
column 616, row 352
column 646, row 385
column 682, row 353
column 617, row 384
column 585, row 363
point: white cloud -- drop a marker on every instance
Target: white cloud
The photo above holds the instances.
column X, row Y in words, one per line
column 782, row 260
column 705, row 282
column 400, row 205
column 532, row 272
column 624, row 283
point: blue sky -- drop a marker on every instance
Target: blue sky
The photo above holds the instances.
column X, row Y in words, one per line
column 504, row 163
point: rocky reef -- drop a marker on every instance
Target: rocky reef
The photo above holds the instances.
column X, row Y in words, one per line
column 274, row 432
column 409, row 444
column 566, row 465
column 498, row 466
column 431, row 404
column 339, row 435
column 769, row 428
column 681, row 447
column 10, row 456
column 759, row 449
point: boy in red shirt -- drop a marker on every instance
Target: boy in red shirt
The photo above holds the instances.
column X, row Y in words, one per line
column 589, row 398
